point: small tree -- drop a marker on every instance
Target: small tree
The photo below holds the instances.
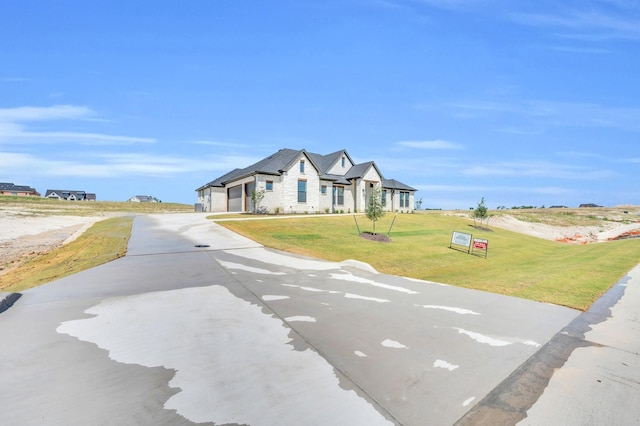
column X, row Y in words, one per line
column 256, row 198
column 419, row 204
column 480, row 212
column 374, row 210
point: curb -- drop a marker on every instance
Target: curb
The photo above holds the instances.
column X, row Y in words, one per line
column 360, row 265
column 7, row 300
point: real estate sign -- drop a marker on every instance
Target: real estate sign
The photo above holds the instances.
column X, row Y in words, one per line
column 460, row 239
column 465, row 242
column 480, row 244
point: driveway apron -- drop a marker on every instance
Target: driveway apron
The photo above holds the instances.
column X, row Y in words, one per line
column 200, row 325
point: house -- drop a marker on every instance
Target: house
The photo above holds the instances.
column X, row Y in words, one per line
column 63, row 194
column 297, row 181
column 7, row 188
column 143, row 199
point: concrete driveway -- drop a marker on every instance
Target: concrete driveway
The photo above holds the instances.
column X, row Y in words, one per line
column 235, row 333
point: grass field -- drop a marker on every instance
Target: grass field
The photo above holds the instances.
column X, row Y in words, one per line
column 517, row 265
column 44, row 206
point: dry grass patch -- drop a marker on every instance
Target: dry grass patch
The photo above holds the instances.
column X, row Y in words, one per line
column 30, row 206
column 104, row 241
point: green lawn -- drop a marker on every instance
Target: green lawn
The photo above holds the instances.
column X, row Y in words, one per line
column 517, row 265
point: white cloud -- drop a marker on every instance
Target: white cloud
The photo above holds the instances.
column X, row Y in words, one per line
column 10, row 132
column 56, row 112
column 13, row 79
column 541, row 114
column 13, row 127
column 540, row 169
column 115, row 165
column 220, row 144
column 587, row 22
column 633, row 160
column 451, row 188
column 433, row 144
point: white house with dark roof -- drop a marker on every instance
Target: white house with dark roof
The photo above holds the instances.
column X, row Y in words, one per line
column 68, row 195
column 143, row 199
column 297, row 181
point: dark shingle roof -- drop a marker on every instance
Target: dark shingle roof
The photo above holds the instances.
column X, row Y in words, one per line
column 66, row 193
column 7, row 186
column 359, row 170
column 281, row 160
column 324, row 162
column 272, row 165
column 394, row 184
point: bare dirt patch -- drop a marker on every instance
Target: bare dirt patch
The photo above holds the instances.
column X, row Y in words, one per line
column 25, row 236
column 381, row 238
column 571, row 234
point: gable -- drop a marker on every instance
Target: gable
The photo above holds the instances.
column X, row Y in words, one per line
column 360, row 170
column 341, row 163
column 303, row 156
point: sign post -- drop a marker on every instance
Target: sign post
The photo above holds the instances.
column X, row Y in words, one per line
column 460, row 239
column 465, row 242
column 482, row 245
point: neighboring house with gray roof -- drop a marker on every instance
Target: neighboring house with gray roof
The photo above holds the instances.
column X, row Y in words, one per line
column 7, row 188
column 143, row 199
column 68, row 195
column 297, row 181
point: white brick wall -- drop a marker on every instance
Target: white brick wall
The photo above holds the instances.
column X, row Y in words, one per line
column 213, row 199
column 290, row 187
column 272, row 199
column 337, row 168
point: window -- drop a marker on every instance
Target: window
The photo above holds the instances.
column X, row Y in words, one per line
column 339, row 195
column 383, row 197
column 404, row 199
column 269, row 185
column 302, row 191
column 323, row 189
column 301, row 166
column 342, row 161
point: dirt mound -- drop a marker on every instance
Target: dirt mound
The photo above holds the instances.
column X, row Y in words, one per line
column 634, row 233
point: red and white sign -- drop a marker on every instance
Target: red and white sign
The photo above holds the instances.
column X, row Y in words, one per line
column 480, row 244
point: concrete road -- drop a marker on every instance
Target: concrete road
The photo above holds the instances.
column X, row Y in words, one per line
column 235, row 333
column 599, row 382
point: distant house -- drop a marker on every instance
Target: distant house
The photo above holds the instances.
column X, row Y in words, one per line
column 143, row 199
column 64, row 194
column 7, row 188
column 300, row 181
column 589, row 205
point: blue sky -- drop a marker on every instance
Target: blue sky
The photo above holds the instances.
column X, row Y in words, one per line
column 528, row 102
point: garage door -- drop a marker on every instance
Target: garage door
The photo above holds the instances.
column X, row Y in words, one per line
column 248, row 189
column 235, row 198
